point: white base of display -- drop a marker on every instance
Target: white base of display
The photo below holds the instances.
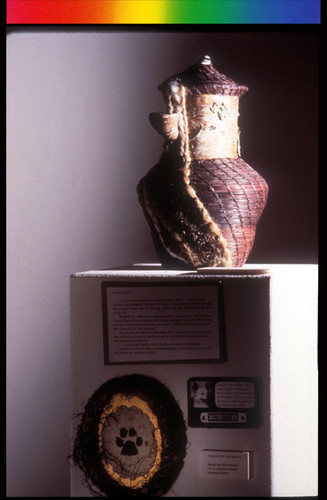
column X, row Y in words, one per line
column 269, row 332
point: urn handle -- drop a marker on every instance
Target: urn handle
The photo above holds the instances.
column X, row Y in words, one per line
column 165, row 124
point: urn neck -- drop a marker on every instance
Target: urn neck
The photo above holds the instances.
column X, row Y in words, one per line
column 212, row 126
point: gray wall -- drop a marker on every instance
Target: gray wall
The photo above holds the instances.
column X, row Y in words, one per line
column 78, row 141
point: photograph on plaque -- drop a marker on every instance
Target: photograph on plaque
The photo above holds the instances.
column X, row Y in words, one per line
column 224, row 402
column 171, row 322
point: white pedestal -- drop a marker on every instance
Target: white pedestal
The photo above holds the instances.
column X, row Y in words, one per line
column 268, row 332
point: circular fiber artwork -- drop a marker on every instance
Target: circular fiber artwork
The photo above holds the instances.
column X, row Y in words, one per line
column 131, row 439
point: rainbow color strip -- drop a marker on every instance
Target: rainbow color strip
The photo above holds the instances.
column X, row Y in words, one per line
column 163, row 11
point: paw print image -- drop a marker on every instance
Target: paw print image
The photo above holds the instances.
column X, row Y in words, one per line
column 130, row 445
column 129, row 442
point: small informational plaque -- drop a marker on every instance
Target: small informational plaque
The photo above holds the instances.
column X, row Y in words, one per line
column 222, row 464
column 224, row 402
column 147, row 323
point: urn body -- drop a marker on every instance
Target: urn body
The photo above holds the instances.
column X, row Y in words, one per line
column 202, row 200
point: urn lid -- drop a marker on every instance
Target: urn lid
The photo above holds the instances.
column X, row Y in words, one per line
column 203, row 78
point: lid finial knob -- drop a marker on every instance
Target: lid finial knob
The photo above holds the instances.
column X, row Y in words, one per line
column 205, row 60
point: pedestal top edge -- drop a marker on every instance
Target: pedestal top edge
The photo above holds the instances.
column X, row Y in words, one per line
column 156, row 270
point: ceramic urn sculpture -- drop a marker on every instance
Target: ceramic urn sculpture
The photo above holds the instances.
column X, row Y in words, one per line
column 202, row 201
